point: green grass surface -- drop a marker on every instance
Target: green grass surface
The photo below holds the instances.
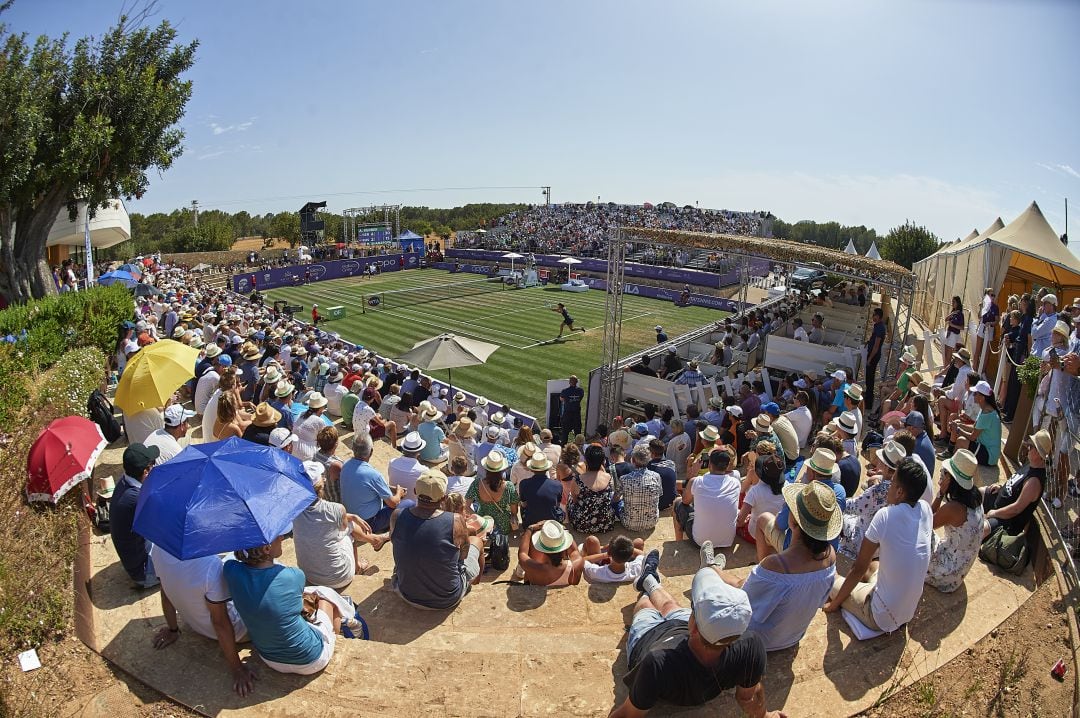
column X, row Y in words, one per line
column 519, row 320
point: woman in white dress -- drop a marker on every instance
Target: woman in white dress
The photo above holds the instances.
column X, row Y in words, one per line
column 308, row 427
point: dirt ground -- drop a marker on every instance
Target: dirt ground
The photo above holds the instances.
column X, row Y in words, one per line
column 1005, row 674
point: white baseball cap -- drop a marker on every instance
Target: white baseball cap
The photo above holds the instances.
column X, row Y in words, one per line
column 176, row 414
column 281, row 437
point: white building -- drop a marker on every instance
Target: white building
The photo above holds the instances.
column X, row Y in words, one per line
column 110, row 225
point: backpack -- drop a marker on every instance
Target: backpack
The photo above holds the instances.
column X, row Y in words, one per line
column 100, row 410
column 101, row 515
column 498, row 551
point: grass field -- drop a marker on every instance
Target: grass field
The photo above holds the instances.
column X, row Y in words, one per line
column 519, row 320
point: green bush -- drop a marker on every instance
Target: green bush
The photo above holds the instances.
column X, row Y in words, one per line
column 69, row 383
column 56, row 324
column 14, row 384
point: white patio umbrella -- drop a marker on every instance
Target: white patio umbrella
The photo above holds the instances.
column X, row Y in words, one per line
column 512, row 256
column 873, row 253
column 569, row 260
column 448, row 351
column 850, row 248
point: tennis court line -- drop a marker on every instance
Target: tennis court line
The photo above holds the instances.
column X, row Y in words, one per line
column 591, row 329
column 338, row 297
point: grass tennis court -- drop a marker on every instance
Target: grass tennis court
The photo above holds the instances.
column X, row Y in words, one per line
column 518, row 320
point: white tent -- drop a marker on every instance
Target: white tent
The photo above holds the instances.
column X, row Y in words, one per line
column 873, row 253
column 850, row 248
column 1010, row 259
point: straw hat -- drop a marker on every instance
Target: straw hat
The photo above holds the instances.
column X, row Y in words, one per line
column 482, row 402
column 412, row 442
column 266, row 415
column 854, row 392
column 495, row 461
column 498, row 418
column 251, row 352
column 814, row 507
column 212, row 351
column 1042, row 442
column 822, row 462
column 316, row 400
column 710, row 434
column 284, row 389
column 963, row 355
column 907, row 358
column 552, row 538
column 892, row 454
column 527, row 450
column 459, row 397
column 962, row 467
column 1062, row 328
column 538, row 462
column 272, row 376
column 924, row 388
column 464, row 428
column 716, row 402
column 846, row 422
column 762, row 423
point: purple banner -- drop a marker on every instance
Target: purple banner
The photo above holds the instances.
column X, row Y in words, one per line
column 318, row 271
column 636, row 290
column 633, row 269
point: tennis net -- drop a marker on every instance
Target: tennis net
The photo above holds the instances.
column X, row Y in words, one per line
column 398, row 298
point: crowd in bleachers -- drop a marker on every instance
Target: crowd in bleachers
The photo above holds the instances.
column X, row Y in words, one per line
column 582, row 229
column 775, row 467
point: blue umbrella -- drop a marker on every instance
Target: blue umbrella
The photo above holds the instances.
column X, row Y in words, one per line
column 220, row 497
column 125, row 278
column 132, row 269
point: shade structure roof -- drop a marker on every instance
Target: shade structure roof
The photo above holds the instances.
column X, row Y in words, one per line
column 1039, row 253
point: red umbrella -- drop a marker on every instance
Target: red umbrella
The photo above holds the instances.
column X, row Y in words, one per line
column 63, row 455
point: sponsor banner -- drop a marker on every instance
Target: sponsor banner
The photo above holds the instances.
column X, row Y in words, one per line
column 318, row 271
column 636, row 290
column 759, row 266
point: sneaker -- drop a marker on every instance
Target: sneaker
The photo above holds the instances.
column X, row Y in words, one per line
column 648, row 568
column 709, row 557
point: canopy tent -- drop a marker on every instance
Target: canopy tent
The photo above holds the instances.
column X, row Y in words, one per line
column 411, row 242
column 872, row 253
column 850, row 248
column 1010, row 259
column 935, row 290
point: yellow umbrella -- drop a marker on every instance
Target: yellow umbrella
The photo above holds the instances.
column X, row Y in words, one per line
column 153, row 374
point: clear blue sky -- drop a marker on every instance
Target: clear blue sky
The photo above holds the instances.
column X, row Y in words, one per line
column 866, row 112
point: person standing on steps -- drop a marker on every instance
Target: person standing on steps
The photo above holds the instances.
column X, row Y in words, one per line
column 570, row 400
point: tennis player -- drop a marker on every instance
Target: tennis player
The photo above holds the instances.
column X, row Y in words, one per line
column 567, row 320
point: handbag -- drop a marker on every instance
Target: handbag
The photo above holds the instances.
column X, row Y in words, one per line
column 1009, row 553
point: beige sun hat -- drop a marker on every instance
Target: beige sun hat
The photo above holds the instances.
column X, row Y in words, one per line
column 316, row 400
column 552, row 538
column 962, row 466
column 854, row 392
column 822, row 462
column 464, row 428
column 495, row 461
column 284, row 389
column 815, row 509
column 892, row 454
column 538, row 462
column 762, row 423
column 710, row 434
column 428, row 412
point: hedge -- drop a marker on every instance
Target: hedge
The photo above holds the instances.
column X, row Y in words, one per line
column 45, row 329
column 37, row 334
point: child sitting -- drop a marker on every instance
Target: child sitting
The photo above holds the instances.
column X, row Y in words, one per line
column 618, row 562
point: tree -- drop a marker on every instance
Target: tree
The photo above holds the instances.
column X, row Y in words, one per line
column 908, row 243
column 84, row 123
column 286, row 225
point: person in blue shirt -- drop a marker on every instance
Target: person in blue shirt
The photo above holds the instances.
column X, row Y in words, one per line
column 661, row 337
column 924, row 448
column 132, row 548
column 365, row 492
column 270, row 599
column 570, row 400
column 839, row 386
column 772, row 532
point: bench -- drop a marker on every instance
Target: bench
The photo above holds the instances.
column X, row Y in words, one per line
column 791, row 355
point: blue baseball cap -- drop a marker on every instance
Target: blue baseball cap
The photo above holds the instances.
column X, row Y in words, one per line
column 260, row 335
column 771, row 408
column 224, row 360
column 641, row 429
